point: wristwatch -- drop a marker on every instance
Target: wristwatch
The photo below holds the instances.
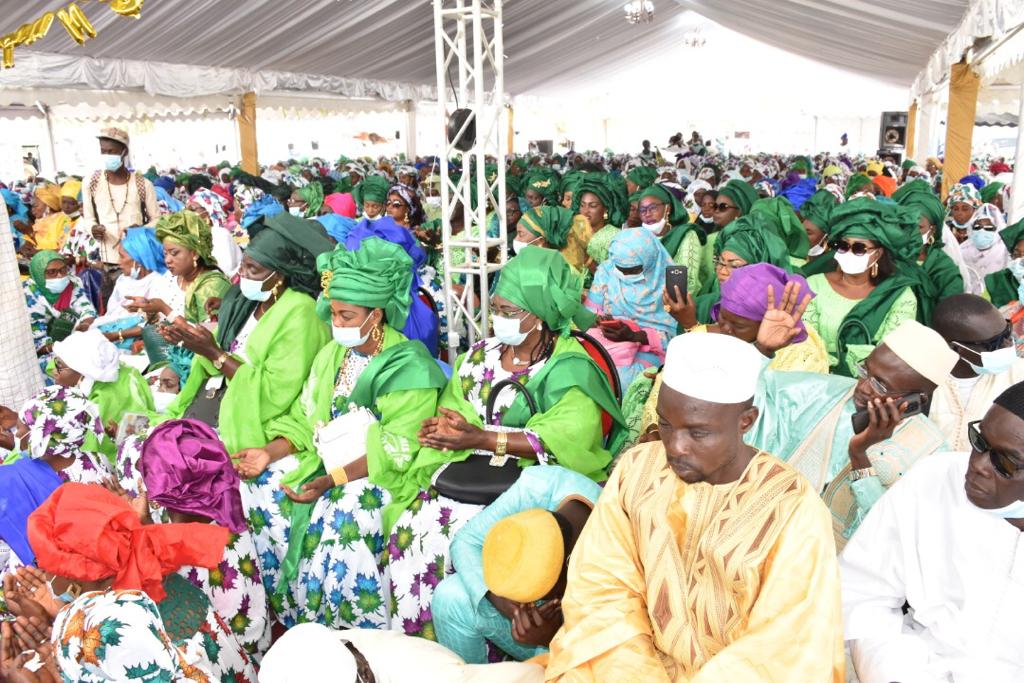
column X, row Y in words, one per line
column 220, row 361
column 863, row 473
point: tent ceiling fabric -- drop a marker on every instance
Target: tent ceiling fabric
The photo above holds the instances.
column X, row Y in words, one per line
column 385, row 48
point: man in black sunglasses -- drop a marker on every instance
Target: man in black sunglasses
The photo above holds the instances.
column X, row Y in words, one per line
column 945, row 540
column 988, row 364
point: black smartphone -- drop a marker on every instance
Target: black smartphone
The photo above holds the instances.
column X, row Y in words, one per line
column 675, row 276
column 915, row 404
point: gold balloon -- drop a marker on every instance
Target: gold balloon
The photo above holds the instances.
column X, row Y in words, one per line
column 127, row 8
column 76, row 23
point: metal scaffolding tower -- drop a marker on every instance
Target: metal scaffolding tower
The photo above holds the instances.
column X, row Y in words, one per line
column 470, row 63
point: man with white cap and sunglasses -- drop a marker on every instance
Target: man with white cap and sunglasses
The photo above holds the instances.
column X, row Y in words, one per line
column 705, row 558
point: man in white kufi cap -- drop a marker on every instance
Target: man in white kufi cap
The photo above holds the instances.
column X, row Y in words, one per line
column 704, row 557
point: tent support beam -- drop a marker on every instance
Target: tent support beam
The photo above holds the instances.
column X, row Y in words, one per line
column 247, row 134
column 911, row 130
column 963, row 103
column 1017, row 193
column 410, row 130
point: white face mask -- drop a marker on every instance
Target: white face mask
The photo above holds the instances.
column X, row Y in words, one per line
column 296, row 211
column 350, row 337
column 371, row 218
column 1014, row 510
column 656, row 228
column 926, row 237
column 851, row 264
column 74, row 214
column 819, row 248
column 112, row 162
column 58, row 284
column 253, row 289
column 162, row 399
column 519, row 245
column 136, row 272
column 432, row 201
column 506, row 330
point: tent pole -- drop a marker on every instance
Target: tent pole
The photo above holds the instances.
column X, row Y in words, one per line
column 911, row 130
column 247, row 134
column 410, row 130
column 963, row 102
column 51, row 150
column 1017, row 193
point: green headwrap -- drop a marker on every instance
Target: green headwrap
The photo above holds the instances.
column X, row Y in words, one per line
column 785, row 223
column 546, row 183
column 742, row 194
column 818, row 209
column 753, row 239
column 677, row 215
column 373, row 188
column 917, row 194
column 541, row 282
column 989, row 192
column 889, row 225
column 313, row 195
column 571, row 182
column 908, row 164
column 1010, row 235
column 553, row 223
column 190, row 231
column 37, row 269
column 801, row 164
column 643, row 176
column 610, row 190
column 376, row 275
column 858, row 182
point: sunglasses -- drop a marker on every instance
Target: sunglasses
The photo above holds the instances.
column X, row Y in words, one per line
column 994, row 344
column 1003, row 463
column 858, row 248
column 722, row 206
column 396, row 204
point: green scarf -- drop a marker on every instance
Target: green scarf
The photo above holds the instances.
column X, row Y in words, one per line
column 376, row 275
column 610, row 190
column 742, row 194
column 373, row 188
column 1012, row 234
column 942, row 272
column 37, row 269
column 862, row 322
column 918, row 195
column 190, row 231
column 642, row 176
column 546, row 183
column 818, row 209
column 753, row 238
column 313, row 195
column 674, row 237
column 677, row 214
column 1002, row 287
column 786, row 224
column 541, row 282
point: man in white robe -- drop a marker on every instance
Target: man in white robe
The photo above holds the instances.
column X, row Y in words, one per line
column 946, row 542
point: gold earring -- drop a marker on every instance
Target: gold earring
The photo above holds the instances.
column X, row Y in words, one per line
column 378, row 338
column 276, row 291
column 874, row 270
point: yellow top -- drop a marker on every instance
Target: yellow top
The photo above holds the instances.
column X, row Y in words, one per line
column 692, row 582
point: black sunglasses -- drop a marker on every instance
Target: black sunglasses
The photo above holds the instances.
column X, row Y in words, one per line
column 994, row 344
column 722, row 206
column 1003, row 463
column 842, row 246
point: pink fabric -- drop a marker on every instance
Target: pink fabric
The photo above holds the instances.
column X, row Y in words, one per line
column 342, row 204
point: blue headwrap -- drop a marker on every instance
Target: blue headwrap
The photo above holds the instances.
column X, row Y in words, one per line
column 144, row 248
column 166, row 183
column 24, row 485
column 337, row 226
column 800, row 192
column 15, row 207
column 172, row 204
column 974, row 180
column 264, row 207
column 422, row 323
column 179, row 359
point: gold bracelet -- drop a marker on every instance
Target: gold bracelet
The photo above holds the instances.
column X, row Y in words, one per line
column 120, row 335
column 339, row 475
column 501, row 448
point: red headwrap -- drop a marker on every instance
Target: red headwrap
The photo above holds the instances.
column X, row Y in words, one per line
column 220, row 190
column 887, row 184
column 86, row 533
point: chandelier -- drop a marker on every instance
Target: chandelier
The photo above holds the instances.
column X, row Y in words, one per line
column 639, row 11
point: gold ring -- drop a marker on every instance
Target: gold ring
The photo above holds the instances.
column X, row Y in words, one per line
column 668, row 309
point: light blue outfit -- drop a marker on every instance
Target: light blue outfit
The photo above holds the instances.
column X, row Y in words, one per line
column 464, row 619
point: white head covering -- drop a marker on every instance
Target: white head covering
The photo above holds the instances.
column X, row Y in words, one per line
column 91, row 355
column 923, row 349
column 712, row 367
column 308, row 652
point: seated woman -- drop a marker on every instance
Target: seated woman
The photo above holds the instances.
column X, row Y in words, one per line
column 226, row 237
column 984, row 253
column 188, row 254
column 532, row 306
column 24, row 485
column 133, row 613
column 943, row 272
column 370, row 196
column 57, row 302
column 555, row 227
column 875, row 284
column 267, row 334
column 307, row 201
column 169, row 376
column 816, row 216
column 404, row 207
column 962, row 202
column 61, row 428
column 341, row 203
column 184, row 474
column 1004, row 287
column 600, row 199
column 627, row 288
column 89, row 361
column 142, row 273
column 664, row 216
column 52, row 225
column 321, row 535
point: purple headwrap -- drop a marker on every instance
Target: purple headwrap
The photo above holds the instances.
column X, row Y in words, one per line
column 187, row 469
column 745, row 293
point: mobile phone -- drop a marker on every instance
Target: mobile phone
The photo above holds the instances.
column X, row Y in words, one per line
column 915, row 404
column 675, row 276
column 610, row 323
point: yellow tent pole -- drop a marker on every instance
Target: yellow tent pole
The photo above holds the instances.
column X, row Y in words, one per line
column 911, row 130
column 963, row 102
column 511, row 131
column 247, row 134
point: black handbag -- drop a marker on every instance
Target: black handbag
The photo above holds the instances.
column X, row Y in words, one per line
column 205, row 407
column 478, row 479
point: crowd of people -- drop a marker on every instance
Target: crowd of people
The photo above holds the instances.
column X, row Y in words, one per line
column 749, row 418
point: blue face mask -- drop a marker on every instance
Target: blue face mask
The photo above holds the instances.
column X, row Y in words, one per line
column 983, row 239
column 112, row 162
column 1014, row 510
column 253, row 289
column 1016, row 268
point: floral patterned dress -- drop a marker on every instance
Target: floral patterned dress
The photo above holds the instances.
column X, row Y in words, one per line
column 418, row 548
column 340, row 581
column 235, row 587
column 41, row 311
column 121, row 635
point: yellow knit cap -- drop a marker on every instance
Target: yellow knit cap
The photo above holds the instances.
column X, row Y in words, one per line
column 523, row 556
